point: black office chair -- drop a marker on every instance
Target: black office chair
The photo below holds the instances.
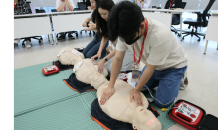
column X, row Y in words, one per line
column 201, row 22
column 82, row 6
column 65, row 33
column 173, row 29
column 39, row 38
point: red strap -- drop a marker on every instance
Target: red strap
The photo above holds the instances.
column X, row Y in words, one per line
column 17, row 6
column 64, row 6
column 145, row 34
column 171, row 2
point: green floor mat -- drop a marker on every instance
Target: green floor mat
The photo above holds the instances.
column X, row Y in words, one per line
column 37, row 91
column 29, row 71
column 37, row 81
column 68, row 73
column 46, row 102
column 89, row 97
column 70, row 113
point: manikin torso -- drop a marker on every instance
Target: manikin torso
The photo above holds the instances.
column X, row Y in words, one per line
column 120, row 108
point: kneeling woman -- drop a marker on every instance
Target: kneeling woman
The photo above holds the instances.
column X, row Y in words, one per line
column 94, row 47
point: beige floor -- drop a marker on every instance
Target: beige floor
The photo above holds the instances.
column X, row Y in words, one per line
column 202, row 69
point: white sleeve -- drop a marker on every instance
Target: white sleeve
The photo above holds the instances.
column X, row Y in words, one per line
column 58, row 3
column 90, row 16
column 139, row 4
column 147, row 4
column 121, row 45
column 71, row 3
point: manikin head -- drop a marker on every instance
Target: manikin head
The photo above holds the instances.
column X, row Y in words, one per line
column 70, row 56
column 143, row 119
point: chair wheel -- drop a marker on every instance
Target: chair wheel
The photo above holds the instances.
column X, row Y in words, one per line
column 199, row 40
column 41, row 38
column 23, row 44
column 204, row 37
column 77, row 35
column 40, row 41
column 178, row 35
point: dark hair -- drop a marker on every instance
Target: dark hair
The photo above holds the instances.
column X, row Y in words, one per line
column 101, row 24
column 93, row 17
column 124, row 20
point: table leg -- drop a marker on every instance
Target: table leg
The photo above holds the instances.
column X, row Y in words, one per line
column 48, row 38
column 205, row 47
column 56, row 38
column 52, row 40
column 181, row 26
column 217, row 45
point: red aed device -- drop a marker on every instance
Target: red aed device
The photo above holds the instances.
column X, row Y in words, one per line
column 50, row 70
column 187, row 114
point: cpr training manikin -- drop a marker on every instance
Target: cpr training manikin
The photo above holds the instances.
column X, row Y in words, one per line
column 118, row 106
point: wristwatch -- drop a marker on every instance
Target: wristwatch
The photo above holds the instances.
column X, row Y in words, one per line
column 105, row 59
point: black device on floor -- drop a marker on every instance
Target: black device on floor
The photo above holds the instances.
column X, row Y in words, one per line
column 79, row 49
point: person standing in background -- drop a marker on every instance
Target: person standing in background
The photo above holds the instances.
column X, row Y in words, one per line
column 20, row 8
column 144, row 4
column 61, row 6
column 174, row 4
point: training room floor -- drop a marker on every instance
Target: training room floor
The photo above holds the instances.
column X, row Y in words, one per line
column 202, row 69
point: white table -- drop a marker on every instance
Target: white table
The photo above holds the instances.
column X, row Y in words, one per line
column 68, row 21
column 212, row 30
column 175, row 11
column 165, row 18
column 32, row 25
column 39, row 24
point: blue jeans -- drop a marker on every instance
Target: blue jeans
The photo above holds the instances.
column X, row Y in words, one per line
column 168, row 82
column 93, row 47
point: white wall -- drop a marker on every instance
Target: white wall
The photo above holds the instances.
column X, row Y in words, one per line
column 204, row 4
column 163, row 3
column 48, row 2
column 191, row 4
column 36, row 2
column 155, row 3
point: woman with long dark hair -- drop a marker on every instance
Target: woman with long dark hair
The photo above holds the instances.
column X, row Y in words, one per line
column 93, row 47
column 102, row 11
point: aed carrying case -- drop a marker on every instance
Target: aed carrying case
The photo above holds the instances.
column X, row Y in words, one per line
column 192, row 116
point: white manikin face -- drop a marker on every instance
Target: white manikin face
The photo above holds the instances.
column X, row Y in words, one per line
column 143, row 119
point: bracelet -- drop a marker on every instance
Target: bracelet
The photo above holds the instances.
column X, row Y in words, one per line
column 88, row 24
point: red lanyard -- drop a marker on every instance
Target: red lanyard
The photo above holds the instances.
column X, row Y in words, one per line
column 171, row 2
column 145, row 34
column 64, row 6
column 17, row 6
